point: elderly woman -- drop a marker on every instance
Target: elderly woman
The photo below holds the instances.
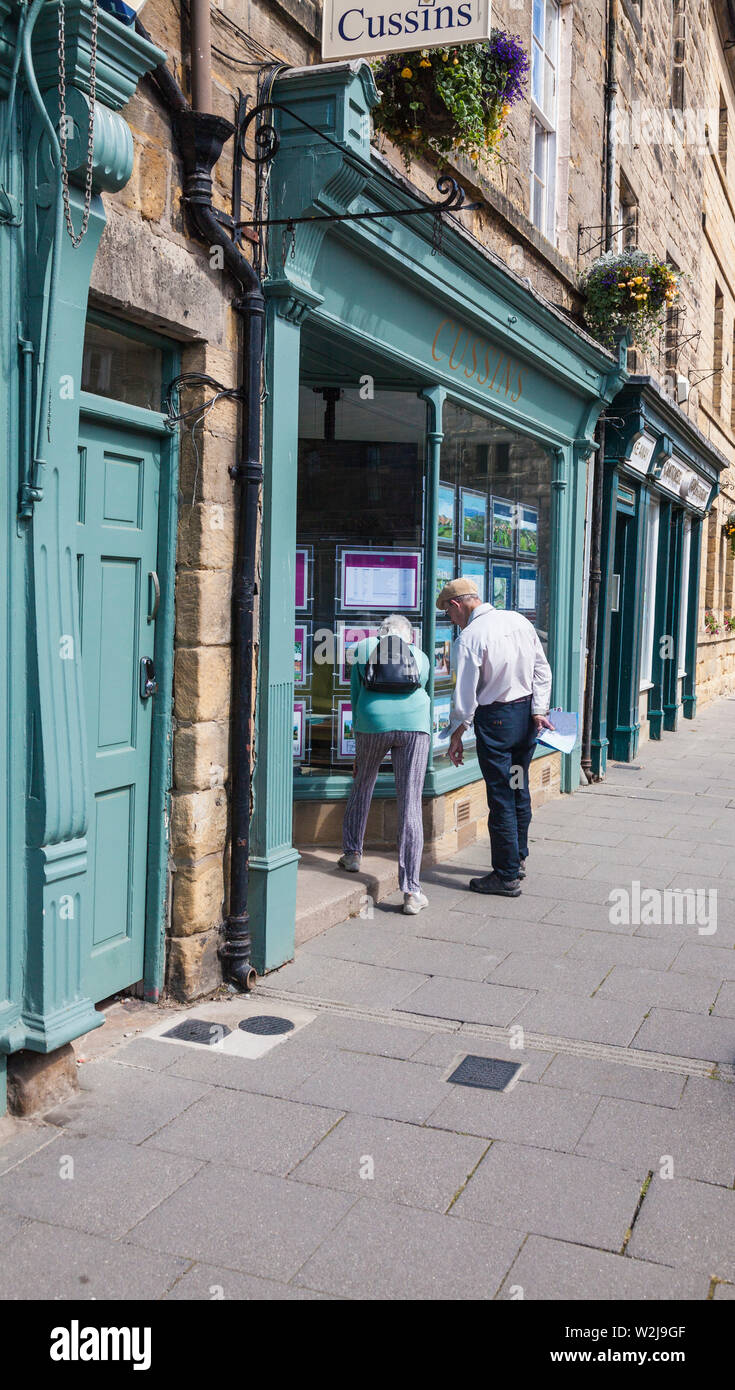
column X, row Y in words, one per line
column 391, row 713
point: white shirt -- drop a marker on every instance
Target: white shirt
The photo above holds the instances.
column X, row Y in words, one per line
column 498, row 656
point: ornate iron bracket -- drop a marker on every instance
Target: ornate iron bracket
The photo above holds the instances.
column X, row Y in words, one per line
column 267, row 143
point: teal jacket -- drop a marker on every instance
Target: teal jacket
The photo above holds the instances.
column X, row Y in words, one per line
column 379, row 712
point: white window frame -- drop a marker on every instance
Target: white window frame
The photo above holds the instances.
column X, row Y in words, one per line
column 545, row 121
column 649, row 594
column 686, row 550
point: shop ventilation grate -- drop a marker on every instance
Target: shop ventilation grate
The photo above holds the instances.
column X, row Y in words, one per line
column 268, row 1024
column 463, row 813
column 198, row 1030
column 485, row 1073
column 546, row 777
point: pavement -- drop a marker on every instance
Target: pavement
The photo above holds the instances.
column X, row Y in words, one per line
column 340, row 1161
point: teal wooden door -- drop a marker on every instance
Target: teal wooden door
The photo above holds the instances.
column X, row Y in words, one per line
column 119, row 487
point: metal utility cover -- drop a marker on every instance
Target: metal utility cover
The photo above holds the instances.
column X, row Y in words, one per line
column 199, row 1030
column 485, row 1073
column 266, row 1023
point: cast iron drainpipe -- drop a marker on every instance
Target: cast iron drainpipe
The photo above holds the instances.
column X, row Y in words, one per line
column 200, row 137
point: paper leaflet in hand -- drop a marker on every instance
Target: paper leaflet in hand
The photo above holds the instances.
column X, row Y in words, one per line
column 563, row 736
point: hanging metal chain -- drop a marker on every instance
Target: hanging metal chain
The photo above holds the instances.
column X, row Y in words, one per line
column 63, row 119
column 437, row 233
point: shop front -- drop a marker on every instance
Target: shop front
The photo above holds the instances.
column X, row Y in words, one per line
column 427, row 416
column 661, row 477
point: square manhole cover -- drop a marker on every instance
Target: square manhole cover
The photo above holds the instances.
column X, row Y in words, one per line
column 484, row 1073
column 198, row 1030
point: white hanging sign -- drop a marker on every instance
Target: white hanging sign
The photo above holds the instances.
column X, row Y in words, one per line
column 642, row 453
column 370, row 28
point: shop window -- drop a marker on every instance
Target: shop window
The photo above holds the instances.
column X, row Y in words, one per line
column 495, row 513
column 717, row 333
column 544, row 108
column 121, row 368
column 359, row 554
column 649, row 594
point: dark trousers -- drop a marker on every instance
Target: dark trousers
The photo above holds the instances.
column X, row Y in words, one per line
column 506, row 736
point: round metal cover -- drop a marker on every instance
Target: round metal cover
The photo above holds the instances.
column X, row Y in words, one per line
column 266, row 1023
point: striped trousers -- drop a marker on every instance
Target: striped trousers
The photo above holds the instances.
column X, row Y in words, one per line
column 409, row 754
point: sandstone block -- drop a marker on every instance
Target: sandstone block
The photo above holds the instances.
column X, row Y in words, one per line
column 193, row 965
column 198, row 823
column 197, row 897
column 202, row 683
column 38, row 1080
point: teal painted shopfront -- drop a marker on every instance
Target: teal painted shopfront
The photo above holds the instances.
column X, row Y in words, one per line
column 660, row 479
column 427, row 415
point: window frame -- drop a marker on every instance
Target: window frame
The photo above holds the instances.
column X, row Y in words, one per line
column 545, row 121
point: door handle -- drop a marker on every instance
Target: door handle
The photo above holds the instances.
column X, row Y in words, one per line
column 148, row 682
column 156, row 595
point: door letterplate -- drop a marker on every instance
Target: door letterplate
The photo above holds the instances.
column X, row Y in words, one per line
column 148, row 682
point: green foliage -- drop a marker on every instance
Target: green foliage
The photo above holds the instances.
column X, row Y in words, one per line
column 628, row 289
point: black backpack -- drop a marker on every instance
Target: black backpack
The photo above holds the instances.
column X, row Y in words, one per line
column 391, row 667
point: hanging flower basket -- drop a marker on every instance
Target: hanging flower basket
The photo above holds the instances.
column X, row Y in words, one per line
column 442, row 99
column 728, row 527
column 628, row 289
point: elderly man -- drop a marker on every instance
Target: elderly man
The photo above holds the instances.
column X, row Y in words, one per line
column 503, row 682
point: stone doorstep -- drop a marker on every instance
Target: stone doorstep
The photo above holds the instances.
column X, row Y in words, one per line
column 326, row 895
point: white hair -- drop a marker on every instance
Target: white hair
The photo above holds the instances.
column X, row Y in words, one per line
column 396, row 625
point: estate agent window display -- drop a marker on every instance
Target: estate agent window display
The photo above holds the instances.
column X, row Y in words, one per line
column 361, row 543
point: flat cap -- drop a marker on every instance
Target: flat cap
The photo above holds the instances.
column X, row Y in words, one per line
column 456, row 588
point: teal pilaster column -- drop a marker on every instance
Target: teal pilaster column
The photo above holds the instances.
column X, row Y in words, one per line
column 661, row 631
column 273, row 859
column 565, row 592
column 600, row 740
column 53, row 915
column 689, row 694
column 671, row 667
column 434, row 396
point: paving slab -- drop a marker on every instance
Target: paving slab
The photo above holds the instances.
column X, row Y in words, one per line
column 589, row 917
column 345, row 982
column 10, row 1225
column 450, row 959
column 466, row 1001
column 50, row 1264
column 526, row 1114
column 563, row 890
column 556, row 1270
column 552, row 1194
column 24, row 1137
column 212, row 1282
column 625, row 950
column 377, row 1158
column 147, row 1053
column 715, row 962
column 277, row 1073
column 669, row 988
column 381, row 1086
column 511, row 912
column 263, row 1133
column 725, row 1002
column 726, row 1291
column 252, row 1222
column 571, row 1016
column 540, row 937
column 367, row 940
column 687, row 1035
column 634, row 1135
column 689, row 1224
column 534, row 970
column 384, row 1250
column 366, row 1035
column 120, row 1102
column 102, row 1186
column 614, row 1079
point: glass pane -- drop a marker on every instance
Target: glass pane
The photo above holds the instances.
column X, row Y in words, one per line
column 121, row 368
column 549, row 90
column 538, row 20
column 360, row 533
column 502, row 538
column 537, row 210
column 537, row 73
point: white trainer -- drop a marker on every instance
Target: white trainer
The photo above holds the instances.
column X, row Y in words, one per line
column 350, row 862
column 413, row 903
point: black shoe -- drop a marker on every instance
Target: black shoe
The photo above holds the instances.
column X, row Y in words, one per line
column 500, row 887
column 522, row 870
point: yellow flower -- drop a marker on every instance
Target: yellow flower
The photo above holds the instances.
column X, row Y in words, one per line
column 406, row 72
column 455, row 62
column 445, row 57
column 424, row 63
